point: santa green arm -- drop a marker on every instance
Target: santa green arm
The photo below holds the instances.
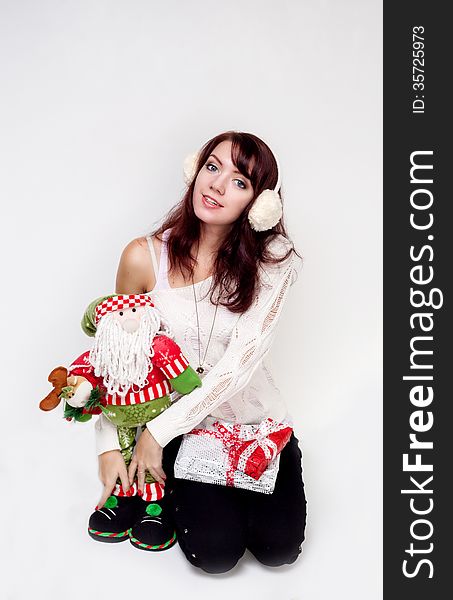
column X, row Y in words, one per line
column 172, row 362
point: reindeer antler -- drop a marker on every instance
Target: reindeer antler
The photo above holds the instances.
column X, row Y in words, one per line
column 58, row 378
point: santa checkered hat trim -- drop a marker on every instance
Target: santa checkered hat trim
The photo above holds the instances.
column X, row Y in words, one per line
column 119, row 303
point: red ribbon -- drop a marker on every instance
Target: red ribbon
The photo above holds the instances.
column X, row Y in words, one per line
column 235, row 445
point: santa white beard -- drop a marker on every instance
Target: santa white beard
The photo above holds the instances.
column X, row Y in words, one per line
column 123, row 359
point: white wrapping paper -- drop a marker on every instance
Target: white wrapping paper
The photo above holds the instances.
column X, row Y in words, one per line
column 204, row 458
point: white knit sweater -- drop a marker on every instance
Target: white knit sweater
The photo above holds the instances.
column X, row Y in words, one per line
column 237, row 384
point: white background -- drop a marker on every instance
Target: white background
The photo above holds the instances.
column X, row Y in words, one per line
column 100, row 103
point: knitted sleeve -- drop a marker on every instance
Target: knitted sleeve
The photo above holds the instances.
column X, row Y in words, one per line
column 106, row 435
column 250, row 341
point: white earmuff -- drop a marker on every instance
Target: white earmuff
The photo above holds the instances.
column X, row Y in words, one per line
column 189, row 167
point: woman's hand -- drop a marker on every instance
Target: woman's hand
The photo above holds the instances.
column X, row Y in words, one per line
column 147, row 456
column 112, row 466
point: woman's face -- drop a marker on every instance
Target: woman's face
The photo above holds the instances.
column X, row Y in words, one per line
column 220, row 181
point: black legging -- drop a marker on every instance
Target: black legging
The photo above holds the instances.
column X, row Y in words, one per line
column 215, row 524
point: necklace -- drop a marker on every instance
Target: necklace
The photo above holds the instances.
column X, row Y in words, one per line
column 201, row 362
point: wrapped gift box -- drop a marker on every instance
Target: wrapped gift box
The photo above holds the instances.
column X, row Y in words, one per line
column 243, row 456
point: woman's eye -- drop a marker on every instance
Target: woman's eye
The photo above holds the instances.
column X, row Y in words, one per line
column 242, row 185
column 121, row 313
column 134, row 310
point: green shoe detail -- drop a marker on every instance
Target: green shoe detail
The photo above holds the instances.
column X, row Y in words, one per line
column 163, row 546
column 106, row 534
column 153, row 510
column 111, row 502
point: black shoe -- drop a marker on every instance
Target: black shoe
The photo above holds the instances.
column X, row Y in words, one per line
column 154, row 529
column 113, row 521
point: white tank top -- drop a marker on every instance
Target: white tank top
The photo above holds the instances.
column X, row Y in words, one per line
column 162, row 269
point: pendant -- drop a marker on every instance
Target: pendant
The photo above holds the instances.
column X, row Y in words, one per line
column 200, row 370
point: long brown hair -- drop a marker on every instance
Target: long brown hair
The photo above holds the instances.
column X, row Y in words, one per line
column 235, row 276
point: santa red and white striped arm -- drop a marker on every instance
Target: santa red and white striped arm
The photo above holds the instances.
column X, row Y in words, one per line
column 168, row 357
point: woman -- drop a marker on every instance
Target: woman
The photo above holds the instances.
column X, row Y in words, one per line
column 219, row 272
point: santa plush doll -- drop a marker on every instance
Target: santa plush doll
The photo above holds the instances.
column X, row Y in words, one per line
column 127, row 376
